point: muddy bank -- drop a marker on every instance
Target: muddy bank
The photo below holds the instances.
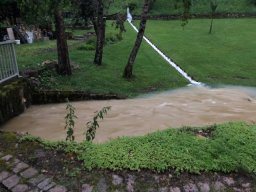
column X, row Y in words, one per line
column 191, row 106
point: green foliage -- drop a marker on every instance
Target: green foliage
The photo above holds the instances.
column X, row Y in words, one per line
column 91, row 41
column 93, row 125
column 86, row 47
column 41, row 12
column 253, row 2
column 186, row 12
column 112, row 38
column 231, row 148
column 132, row 6
column 213, row 5
column 70, row 122
column 47, row 79
column 164, row 7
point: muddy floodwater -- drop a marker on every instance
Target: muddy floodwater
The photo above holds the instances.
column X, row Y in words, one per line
column 191, row 106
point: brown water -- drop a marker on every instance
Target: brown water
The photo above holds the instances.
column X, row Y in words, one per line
column 191, row 106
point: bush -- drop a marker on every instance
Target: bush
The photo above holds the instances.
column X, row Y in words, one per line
column 86, row 47
column 132, row 6
column 113, row 38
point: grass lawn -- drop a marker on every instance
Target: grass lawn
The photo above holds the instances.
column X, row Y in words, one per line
column 151, row 72
column 227, row 56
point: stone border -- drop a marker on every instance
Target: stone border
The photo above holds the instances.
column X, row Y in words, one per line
column 46, row 97
column 20, row 177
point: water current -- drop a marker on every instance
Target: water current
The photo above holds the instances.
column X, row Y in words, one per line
column 190, row 106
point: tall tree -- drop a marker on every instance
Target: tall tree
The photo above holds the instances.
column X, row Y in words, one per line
column 101, row 24
column 85, row 10
column 213, row 6
column 64, row 67
column 50, row 11
column 128, row 71
column 9, row 11
column 95, row 11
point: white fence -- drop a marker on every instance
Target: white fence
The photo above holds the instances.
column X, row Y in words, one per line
column 8, row 62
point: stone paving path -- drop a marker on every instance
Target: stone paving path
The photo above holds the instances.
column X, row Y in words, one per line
column 20, row 177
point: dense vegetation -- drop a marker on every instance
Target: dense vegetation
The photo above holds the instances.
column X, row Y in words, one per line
column 163, row 7
column 225, row 148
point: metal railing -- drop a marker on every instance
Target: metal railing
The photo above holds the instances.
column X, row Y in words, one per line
column 8, row 62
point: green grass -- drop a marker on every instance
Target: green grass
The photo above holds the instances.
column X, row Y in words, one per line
column 227, row 148
column 227, row 56
column 151, row 72
column 165, row 7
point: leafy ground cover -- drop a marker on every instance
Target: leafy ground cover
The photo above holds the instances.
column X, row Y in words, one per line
column 162, row 7
column 227, row 56
column 151, row 72
column 225, row 148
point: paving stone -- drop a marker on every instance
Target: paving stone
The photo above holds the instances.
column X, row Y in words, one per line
column 157, row 178
column 44, row 183
column 191, row 187
column 36, row 180
column 6, row 157
column 28, row 173
column 16, row 161
column 20, row 188
column 10, row 182
column 246, row 185
column 4, row 175
column 87, row 188
column 163, row 189
column 175, row 189
column 229, row 181
column 237, row 189
column 117, row 180
column 35, row 190
column 19, row 167
column 58, row 188
column 51, row 185
column 218, row 186
column 102, row 185
column 130, row 183
column 203, row 187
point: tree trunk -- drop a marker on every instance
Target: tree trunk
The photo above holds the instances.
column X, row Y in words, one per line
column 64, row 67
column 100, row 34
column 128, row 69
column 94, row 22
column 210, row 31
